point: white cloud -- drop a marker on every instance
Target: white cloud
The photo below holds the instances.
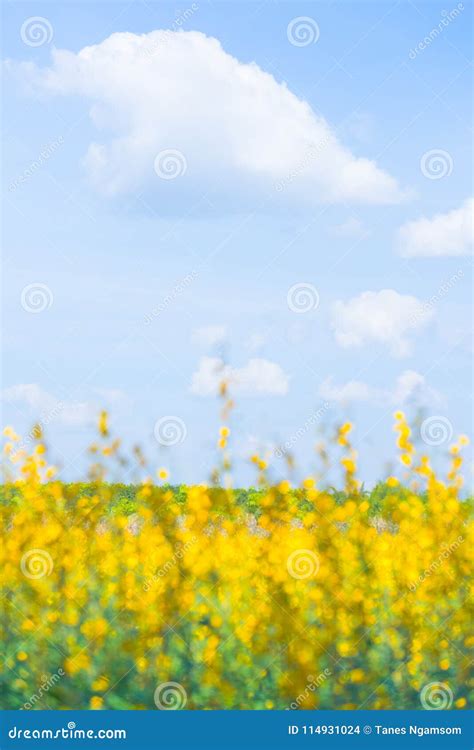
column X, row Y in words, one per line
column 234, row 123
column 410, row 387
column 209, row 336
column 259, row 377
column 46, row 408
column 354, row 390
column 445, row 234
column 353, row 228
column 384, row 317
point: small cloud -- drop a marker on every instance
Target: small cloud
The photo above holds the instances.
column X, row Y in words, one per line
column 353, row 228
column 449, row 234
column 46, row 408
column 259, row 377
column 384, row 317
column 209, row 336
column 354, row 390
column 409, row 388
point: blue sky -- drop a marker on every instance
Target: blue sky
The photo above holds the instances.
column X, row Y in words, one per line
column 312, row 172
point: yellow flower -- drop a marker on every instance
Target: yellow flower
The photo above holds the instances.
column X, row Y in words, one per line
column 101, row 684
column 103, row 424
column 199, row 586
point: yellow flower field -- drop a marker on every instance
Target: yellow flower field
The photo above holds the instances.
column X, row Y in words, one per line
column 194, row 601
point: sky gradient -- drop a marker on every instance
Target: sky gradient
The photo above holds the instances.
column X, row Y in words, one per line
column 280, row 193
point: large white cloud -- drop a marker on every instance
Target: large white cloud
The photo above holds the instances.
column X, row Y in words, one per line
column 234, row 124
column 384, row 317
column 451, row 233
column 410, row 387
column 259, row 377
